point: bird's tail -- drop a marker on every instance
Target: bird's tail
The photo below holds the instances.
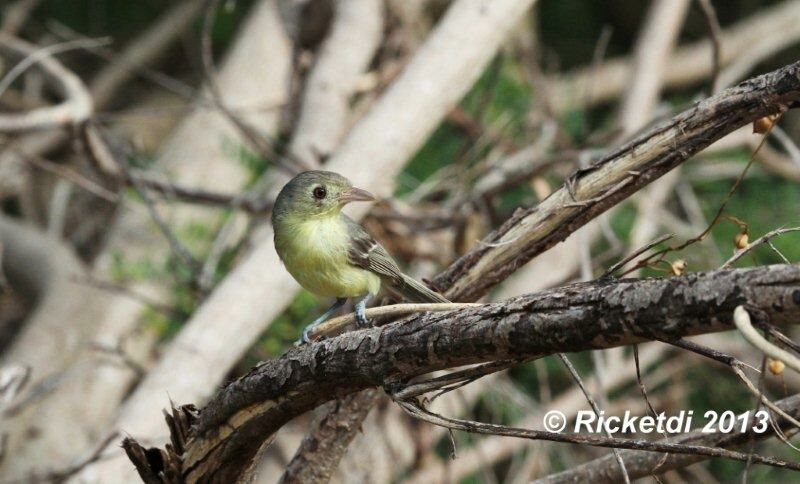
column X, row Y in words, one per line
column 415, row 291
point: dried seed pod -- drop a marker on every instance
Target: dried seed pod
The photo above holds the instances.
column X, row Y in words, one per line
column 678, row 267
column 762, row 125
column 776, row 367
column 741, row 240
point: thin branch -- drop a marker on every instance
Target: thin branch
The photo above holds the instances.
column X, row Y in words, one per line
column 619, row 265
column 715, row 33
column 415, row 410
column 77, row 106
column 659, row 256
column 336, row 324
column 641, row 464
column 752, row 245
column 38, row 55
column 265, row 147
column 596, row 410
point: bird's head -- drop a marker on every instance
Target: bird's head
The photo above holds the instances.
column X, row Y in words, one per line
column 314, row 194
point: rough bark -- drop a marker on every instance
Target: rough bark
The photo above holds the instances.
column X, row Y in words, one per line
column 603, row 314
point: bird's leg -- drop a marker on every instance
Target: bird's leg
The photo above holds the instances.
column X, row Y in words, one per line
column 361, row 307
column 336, row 305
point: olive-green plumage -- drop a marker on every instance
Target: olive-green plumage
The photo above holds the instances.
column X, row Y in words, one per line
column 327, row 252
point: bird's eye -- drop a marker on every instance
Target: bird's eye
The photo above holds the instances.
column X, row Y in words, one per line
column 319, row 192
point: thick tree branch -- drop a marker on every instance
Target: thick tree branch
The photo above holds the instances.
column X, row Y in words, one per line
column 591, row 191
column 603, row 314
column 322, row 449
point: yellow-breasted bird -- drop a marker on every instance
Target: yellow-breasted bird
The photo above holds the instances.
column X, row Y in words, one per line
column 331, row 255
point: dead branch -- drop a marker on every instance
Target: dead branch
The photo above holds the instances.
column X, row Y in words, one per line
column 76, row 107
column 233, row 425
column 620, row 173
column 665, row 447
column 714, row 33
column 759, row 241
column 497, row 448
column 323, row 447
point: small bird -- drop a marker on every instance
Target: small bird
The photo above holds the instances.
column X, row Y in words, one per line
column 328, row 253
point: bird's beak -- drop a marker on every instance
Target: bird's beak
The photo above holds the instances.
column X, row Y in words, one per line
column 354, row 194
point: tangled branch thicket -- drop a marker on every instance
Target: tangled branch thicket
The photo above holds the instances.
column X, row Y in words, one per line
column 139, row 274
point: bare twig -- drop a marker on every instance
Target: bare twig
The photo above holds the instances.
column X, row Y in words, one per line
column 415, row 410
column 654, row 45
column 596, row 410
column 715, row 33
column 752, row 245
column 641, row 464
column 619, row 265
column 658, row 256
column 175, row 244
column 77, row 106
column 63, row 475
column 336, row 324
column 264, row 146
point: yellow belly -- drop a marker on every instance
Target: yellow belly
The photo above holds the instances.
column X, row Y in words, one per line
column 315, row 254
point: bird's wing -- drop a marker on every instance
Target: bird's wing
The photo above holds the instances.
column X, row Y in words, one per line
column 365, row 252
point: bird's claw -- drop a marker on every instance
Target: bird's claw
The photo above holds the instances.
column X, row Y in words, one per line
column 362, row 321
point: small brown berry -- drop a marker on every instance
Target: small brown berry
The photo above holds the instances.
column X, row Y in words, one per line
column 776, row 367
column 741, row 240
column 762, row 125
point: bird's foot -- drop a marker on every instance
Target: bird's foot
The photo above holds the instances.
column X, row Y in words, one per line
column 306, row 338
column 361, row 309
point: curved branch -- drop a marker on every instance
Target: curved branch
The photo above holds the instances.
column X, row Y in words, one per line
column 603, row 314
column 75, row 109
